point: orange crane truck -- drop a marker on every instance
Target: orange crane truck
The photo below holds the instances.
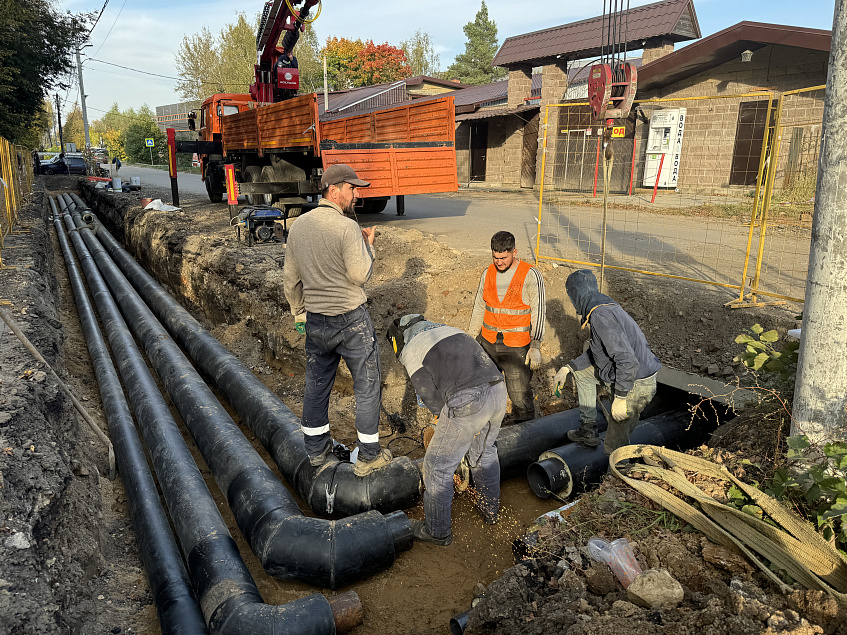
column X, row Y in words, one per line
column 279, row 150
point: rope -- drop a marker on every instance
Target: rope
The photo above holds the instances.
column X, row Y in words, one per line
column 794, row 546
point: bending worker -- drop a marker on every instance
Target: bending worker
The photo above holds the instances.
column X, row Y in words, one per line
column 328, row 260
column 617, row 357
column 459, row 384
column 509, row 310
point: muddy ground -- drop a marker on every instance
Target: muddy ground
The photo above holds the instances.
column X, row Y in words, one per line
column 68, row 561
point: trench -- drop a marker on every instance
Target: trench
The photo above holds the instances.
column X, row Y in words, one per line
column 414, row 582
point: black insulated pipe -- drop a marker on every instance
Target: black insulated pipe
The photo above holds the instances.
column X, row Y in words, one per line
column 568, row 469
column 289, row 546
column 229, row 599
column 332, row 490
column 520, row 445
column 176, row 604
column 458, row 623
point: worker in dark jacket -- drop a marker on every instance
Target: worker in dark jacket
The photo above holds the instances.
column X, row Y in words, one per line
column 617, row 357
column 459, row 384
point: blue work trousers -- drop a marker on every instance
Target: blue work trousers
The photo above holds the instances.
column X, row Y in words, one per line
column 468, row 424
column 329, row 338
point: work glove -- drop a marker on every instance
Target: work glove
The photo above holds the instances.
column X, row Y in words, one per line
column 533, row 359
column 300, row 323
column 619, row 412
column 560, row 379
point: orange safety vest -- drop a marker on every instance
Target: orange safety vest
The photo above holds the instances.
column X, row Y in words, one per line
column 511, row 317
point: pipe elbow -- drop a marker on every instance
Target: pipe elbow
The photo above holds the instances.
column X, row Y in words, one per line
column 330, row 553
column 311, row 615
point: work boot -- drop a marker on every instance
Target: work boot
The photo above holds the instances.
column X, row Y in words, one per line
column 585, row 435
column 487, row 517
column 363, row 467
column 320, row 459
column 420, row 532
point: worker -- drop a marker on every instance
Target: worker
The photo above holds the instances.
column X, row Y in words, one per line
column 509, row 310
column 328, row 260
column 618, row 357
column 459, row 384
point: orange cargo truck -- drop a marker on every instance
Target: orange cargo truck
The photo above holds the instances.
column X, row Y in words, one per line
column 280, row 150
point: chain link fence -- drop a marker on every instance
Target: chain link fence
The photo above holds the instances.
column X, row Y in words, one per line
column 690, row 182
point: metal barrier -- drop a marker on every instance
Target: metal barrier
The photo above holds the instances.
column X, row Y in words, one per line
column 690, row 185
column 16, row 170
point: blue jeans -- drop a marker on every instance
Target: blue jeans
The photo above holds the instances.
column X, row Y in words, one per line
column 468, row 424
column 329, row 338
column 643, row 391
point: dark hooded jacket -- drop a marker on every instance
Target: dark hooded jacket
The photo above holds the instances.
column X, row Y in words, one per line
column 618, row 348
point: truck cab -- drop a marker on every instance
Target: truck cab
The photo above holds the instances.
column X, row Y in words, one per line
column 218, row 106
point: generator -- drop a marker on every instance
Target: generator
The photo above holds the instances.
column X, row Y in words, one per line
column 260, row 224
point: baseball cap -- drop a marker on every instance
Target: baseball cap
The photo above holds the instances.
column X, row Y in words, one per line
column 340, row 173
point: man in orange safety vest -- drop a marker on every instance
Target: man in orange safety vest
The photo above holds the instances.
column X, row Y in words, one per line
column 509, row 314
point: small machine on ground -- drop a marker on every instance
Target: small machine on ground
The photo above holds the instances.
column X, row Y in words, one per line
column 260, row 224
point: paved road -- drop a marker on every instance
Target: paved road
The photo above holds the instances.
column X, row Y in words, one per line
column 696, row 247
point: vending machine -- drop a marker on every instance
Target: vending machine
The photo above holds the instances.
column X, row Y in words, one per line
column 664, row 147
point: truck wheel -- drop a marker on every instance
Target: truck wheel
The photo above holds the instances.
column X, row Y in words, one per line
column 268, row 176
column 253, row 174
column 373, row 205
column 211, row 183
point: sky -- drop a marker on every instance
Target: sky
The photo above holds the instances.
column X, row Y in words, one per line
column 145, row 34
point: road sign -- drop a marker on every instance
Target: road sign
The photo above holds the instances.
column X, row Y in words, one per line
column 148, row 142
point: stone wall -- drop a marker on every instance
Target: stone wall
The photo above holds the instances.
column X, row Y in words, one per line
column 654, row 49
column 520, row 86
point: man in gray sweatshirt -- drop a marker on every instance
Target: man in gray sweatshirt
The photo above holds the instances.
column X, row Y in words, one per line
column 328, row 260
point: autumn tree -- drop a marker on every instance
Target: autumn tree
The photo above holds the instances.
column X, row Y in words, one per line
column 37, row 41
column 421, row 55
column 340, row 55
column 309, row 61
column 73, row 130
column 378, row 64
column 142, row 126
column 474, row 65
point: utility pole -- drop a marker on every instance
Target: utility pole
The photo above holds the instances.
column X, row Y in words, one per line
column 59, row 116
column 326, row 90
column 82, row 94
column 820, row 399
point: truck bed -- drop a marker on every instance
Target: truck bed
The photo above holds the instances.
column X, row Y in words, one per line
column 407, row 149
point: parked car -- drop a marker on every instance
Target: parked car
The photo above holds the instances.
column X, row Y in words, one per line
column 65, row 165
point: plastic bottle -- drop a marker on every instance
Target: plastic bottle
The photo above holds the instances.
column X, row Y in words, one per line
column 618, row 555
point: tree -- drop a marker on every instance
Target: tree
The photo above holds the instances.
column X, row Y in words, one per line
column 208, row 64
column 36, row 45
column 379, row 63
column 73, row 129
column 474, row 65
column 309, row 61
column 142, row 126
column 340, row 55
column 421, row 55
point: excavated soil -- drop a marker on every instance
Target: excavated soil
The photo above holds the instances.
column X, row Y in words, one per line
column 67, row 548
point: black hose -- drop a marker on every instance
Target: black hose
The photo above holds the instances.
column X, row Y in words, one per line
column 568, row 469
column 176, row 603
column 458, row 623
column 289, row 546
column 228, row 595
column 334, row 491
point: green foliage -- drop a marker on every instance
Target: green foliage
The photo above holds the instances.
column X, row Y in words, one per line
column 420, row 52
column 37, row 42
column 142, row 127
column 474, row 65
column 760, row 353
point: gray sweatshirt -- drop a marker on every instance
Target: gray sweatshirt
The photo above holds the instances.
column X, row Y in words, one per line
column 327, row 262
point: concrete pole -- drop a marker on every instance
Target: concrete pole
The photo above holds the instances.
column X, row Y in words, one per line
column 82, row 98
column 820, row 399
column 326, row 89
column 59, row 117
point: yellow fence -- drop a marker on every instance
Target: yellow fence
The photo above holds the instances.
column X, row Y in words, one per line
column 700, row 188
column 16, row 171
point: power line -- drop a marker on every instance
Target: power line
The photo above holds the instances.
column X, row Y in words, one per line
column 97, row 20
column 178, row 79
column 110, row 28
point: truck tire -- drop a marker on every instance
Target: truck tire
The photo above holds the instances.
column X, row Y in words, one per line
column 211, row 186
column 373, row 205
column 268, row 176
column 253, row 174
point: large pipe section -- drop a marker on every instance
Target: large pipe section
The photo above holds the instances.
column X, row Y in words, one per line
column 229, row 599
column 565, row 470
column 176, row 603
column 332, row 490
column 289, row 545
